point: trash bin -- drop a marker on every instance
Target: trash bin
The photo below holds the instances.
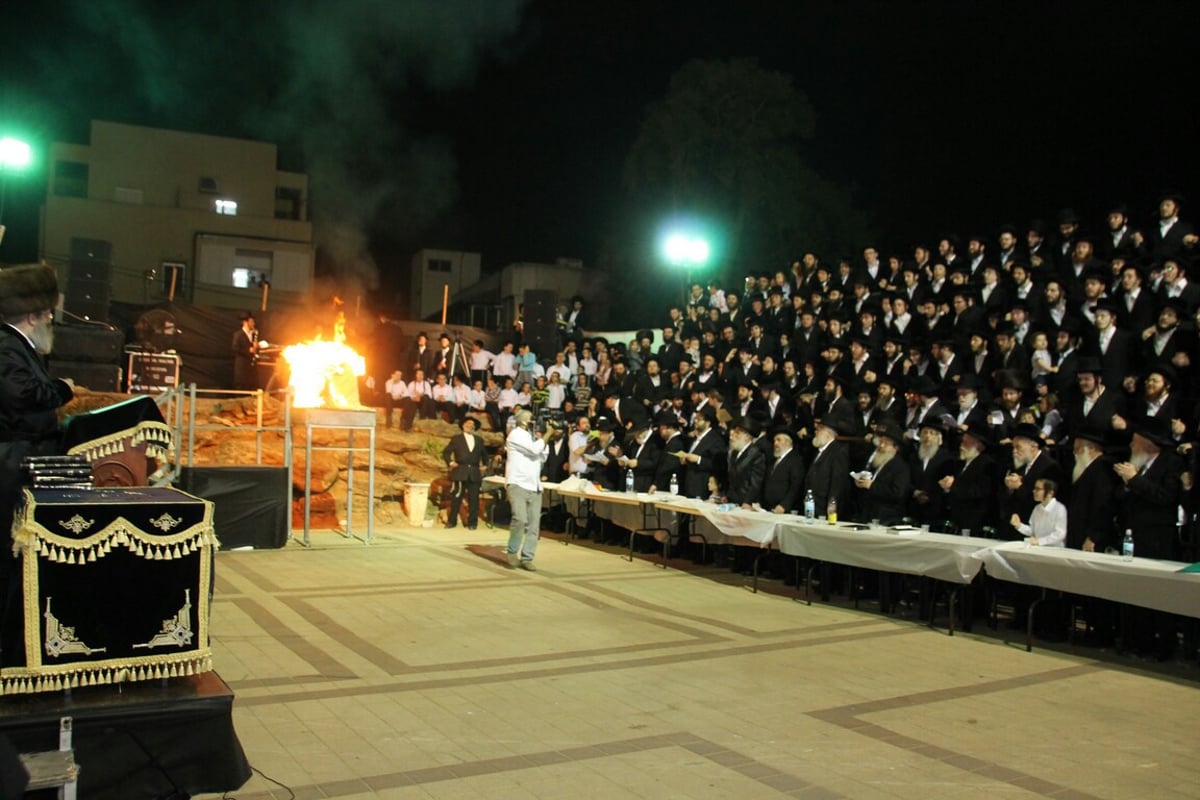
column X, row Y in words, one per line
column 416, row 498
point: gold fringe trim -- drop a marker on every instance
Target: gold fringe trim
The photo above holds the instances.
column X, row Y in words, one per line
column 16, row 680
column 156, row 436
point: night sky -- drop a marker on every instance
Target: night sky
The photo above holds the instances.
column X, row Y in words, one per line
column 503, row 126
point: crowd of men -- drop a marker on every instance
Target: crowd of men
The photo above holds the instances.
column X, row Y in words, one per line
column 1037, row 383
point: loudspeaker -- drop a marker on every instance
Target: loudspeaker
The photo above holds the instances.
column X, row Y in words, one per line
column 87, row 298
column 541, row 332
column 87, row 271
column 91, row 250
column 97, row 377
column 252, row 506
column 90, row 343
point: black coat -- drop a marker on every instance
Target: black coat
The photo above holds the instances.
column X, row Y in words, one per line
column 469, row 463
column 971, row 501
column 887, row 498
column 829, row 476
column 648, row 457
column 928, row 505
column 668, row 464
column 1149, row 504
column 747, row 470
column 558, row 456
column 783, row 482
column 1092, row 509
column 1021, row 501
column 711, row 449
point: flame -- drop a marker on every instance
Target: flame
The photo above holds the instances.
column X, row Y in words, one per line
column 325, row 373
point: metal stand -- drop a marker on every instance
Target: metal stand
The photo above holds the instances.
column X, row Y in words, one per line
column 350, row 420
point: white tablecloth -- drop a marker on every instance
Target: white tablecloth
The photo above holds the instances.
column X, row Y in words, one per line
column 938, row 555
column 1142, row 581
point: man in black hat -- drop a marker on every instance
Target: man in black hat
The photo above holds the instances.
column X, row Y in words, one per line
column 1135, row 302
column 971, row 499
column 1169, row 235
column 1149, row 508
column 671, row 443
column 1092, row 506
column 1068, row 236
column 828, row 475
column 1114, row 347
column 785, row 473
column 1119, row 238
column 886, row 491
column 926, row 406
column 1164, row 340
column 747, row 465
column 467, row 458
column 1095, row 405
column 28, row 395
column 705, row 455
column 245, row 353
column 641, row 453
column 1030, row 463
column 650, row 387
column 1157, row 399
column 929, row 462
column 1175, row 284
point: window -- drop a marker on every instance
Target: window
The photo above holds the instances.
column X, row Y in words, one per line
column 288, row 202
column 208, row 186
column 226, row 207
column 70, row 179
column 252, row 268
column 439, row 265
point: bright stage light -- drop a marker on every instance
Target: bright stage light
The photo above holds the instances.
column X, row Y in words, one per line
column 683, row 250
column 14, row 153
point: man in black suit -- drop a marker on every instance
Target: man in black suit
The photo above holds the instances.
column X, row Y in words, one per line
column 885, row 494
column 1116, row 348
column 1093, row 405
column 1092, row 508
column 1176, row 284
column 1135, row 301
column 671, row 443
column 1030, row 463
column 930, row 461
column 785, row 474
column 747, row 465
column 467, row 458
column 1169, row 236
column 1149, row 505
column 245, row 353
column 704, row 457
column 641, row 454
column 971, row 488
column 828, row 476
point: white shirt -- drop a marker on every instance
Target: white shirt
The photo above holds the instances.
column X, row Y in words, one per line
column 1047, row 525
column 504, row 365
column 564, row 373
column 481, row 360
column 526, row 455
column 398, row 389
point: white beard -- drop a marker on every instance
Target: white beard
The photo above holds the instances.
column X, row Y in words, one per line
column 926, row 452
column 1081, row 465
column 1139, row 460
column 42, row 337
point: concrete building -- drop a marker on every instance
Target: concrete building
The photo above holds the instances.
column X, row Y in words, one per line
column 432, row 270
column 496, row 301
column 137, row 214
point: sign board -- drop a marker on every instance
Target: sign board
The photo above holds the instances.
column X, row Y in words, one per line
column 152, row 372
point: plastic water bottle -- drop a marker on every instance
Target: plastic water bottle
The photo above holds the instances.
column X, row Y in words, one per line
column 831, row 511
column 1127, row 545
column 629, row 481
column 674, row 484
column 810, row 507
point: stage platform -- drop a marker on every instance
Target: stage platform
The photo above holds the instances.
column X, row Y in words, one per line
column 152, row 739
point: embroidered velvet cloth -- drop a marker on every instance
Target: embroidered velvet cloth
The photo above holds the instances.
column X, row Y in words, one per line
column 116, row 586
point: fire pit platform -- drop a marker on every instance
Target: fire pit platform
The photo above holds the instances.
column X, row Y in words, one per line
column 351, row 420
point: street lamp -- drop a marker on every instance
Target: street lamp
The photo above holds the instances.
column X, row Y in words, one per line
column 14, row 155
column 687, row 250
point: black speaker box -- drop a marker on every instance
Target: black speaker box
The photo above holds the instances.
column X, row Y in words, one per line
column 87, row 271
column 97, row 377
column 91, row 250
column 90, row 343
column 87, row 291
column 541, row 332
column 252, row 506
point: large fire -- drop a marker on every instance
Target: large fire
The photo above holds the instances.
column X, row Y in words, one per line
column 324, row 374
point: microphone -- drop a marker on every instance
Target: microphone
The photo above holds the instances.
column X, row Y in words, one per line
column 87, row 321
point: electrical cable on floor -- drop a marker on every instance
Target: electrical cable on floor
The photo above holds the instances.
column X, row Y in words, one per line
column 291, row 794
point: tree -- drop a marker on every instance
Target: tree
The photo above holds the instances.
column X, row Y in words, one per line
column 726, row 143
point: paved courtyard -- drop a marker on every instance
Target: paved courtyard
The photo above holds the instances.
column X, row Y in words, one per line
column 422, row 667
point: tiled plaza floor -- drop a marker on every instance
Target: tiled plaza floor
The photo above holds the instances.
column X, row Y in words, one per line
column 422, row 667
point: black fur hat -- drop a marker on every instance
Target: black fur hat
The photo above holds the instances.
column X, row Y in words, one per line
column 27, row 289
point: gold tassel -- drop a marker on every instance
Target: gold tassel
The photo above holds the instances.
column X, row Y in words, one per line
column 71, row 557
column 92, row 555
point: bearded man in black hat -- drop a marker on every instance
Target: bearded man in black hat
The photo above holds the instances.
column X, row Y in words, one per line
column 886, row 492
column 1030, row 463
column 467, row 458
column 28, row 395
